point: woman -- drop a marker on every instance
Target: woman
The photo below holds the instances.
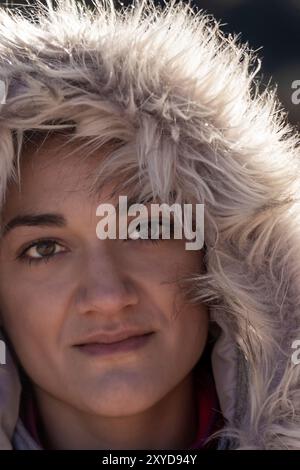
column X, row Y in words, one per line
column 132, row 343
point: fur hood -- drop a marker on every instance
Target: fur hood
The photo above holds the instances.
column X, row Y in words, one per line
column 181, row 103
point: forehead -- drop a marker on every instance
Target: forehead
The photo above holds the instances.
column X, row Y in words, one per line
column 58, row 160
column 51, row 174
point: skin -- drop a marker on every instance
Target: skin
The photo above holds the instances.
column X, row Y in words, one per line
column 144, row 398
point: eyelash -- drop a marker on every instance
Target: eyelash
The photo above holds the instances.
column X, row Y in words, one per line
column 31, row 260
column 28, row 259
column 154, row 241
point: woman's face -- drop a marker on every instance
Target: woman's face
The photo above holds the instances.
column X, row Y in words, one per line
column 88, row 287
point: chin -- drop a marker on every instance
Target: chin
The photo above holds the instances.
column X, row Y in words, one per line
column 114, row 408
column 116, row 403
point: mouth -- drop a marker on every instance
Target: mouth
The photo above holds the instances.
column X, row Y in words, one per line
column 125, row 345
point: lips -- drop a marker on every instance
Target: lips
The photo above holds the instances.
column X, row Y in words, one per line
column 128, row 343
column 105, row 338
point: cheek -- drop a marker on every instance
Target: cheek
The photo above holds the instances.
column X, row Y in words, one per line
column 187, row 323
column 31, row 316
column 183, row 326
column 188, row 332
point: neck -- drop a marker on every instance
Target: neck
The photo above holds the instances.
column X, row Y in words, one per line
column 169, row 424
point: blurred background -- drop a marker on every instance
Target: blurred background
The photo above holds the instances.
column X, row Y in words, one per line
column 271, row 27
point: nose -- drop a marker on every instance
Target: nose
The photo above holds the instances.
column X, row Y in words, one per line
column 105, row 285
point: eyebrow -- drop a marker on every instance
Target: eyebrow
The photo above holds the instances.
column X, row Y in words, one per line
column 43, row 220
column 33, row 220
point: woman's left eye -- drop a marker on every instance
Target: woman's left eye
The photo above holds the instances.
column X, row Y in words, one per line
column 153, row 231
column 41, row 250
column 146, row 231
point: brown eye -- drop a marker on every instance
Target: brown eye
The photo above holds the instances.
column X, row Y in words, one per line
column 42, row 249
column 144, row 231
column 46, row 248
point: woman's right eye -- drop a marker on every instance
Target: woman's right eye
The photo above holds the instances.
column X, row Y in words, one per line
column 40, row 250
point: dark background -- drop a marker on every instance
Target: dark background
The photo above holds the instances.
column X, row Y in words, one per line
column 271, row 27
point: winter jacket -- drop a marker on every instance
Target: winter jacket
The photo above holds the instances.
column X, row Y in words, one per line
column 190, row 92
